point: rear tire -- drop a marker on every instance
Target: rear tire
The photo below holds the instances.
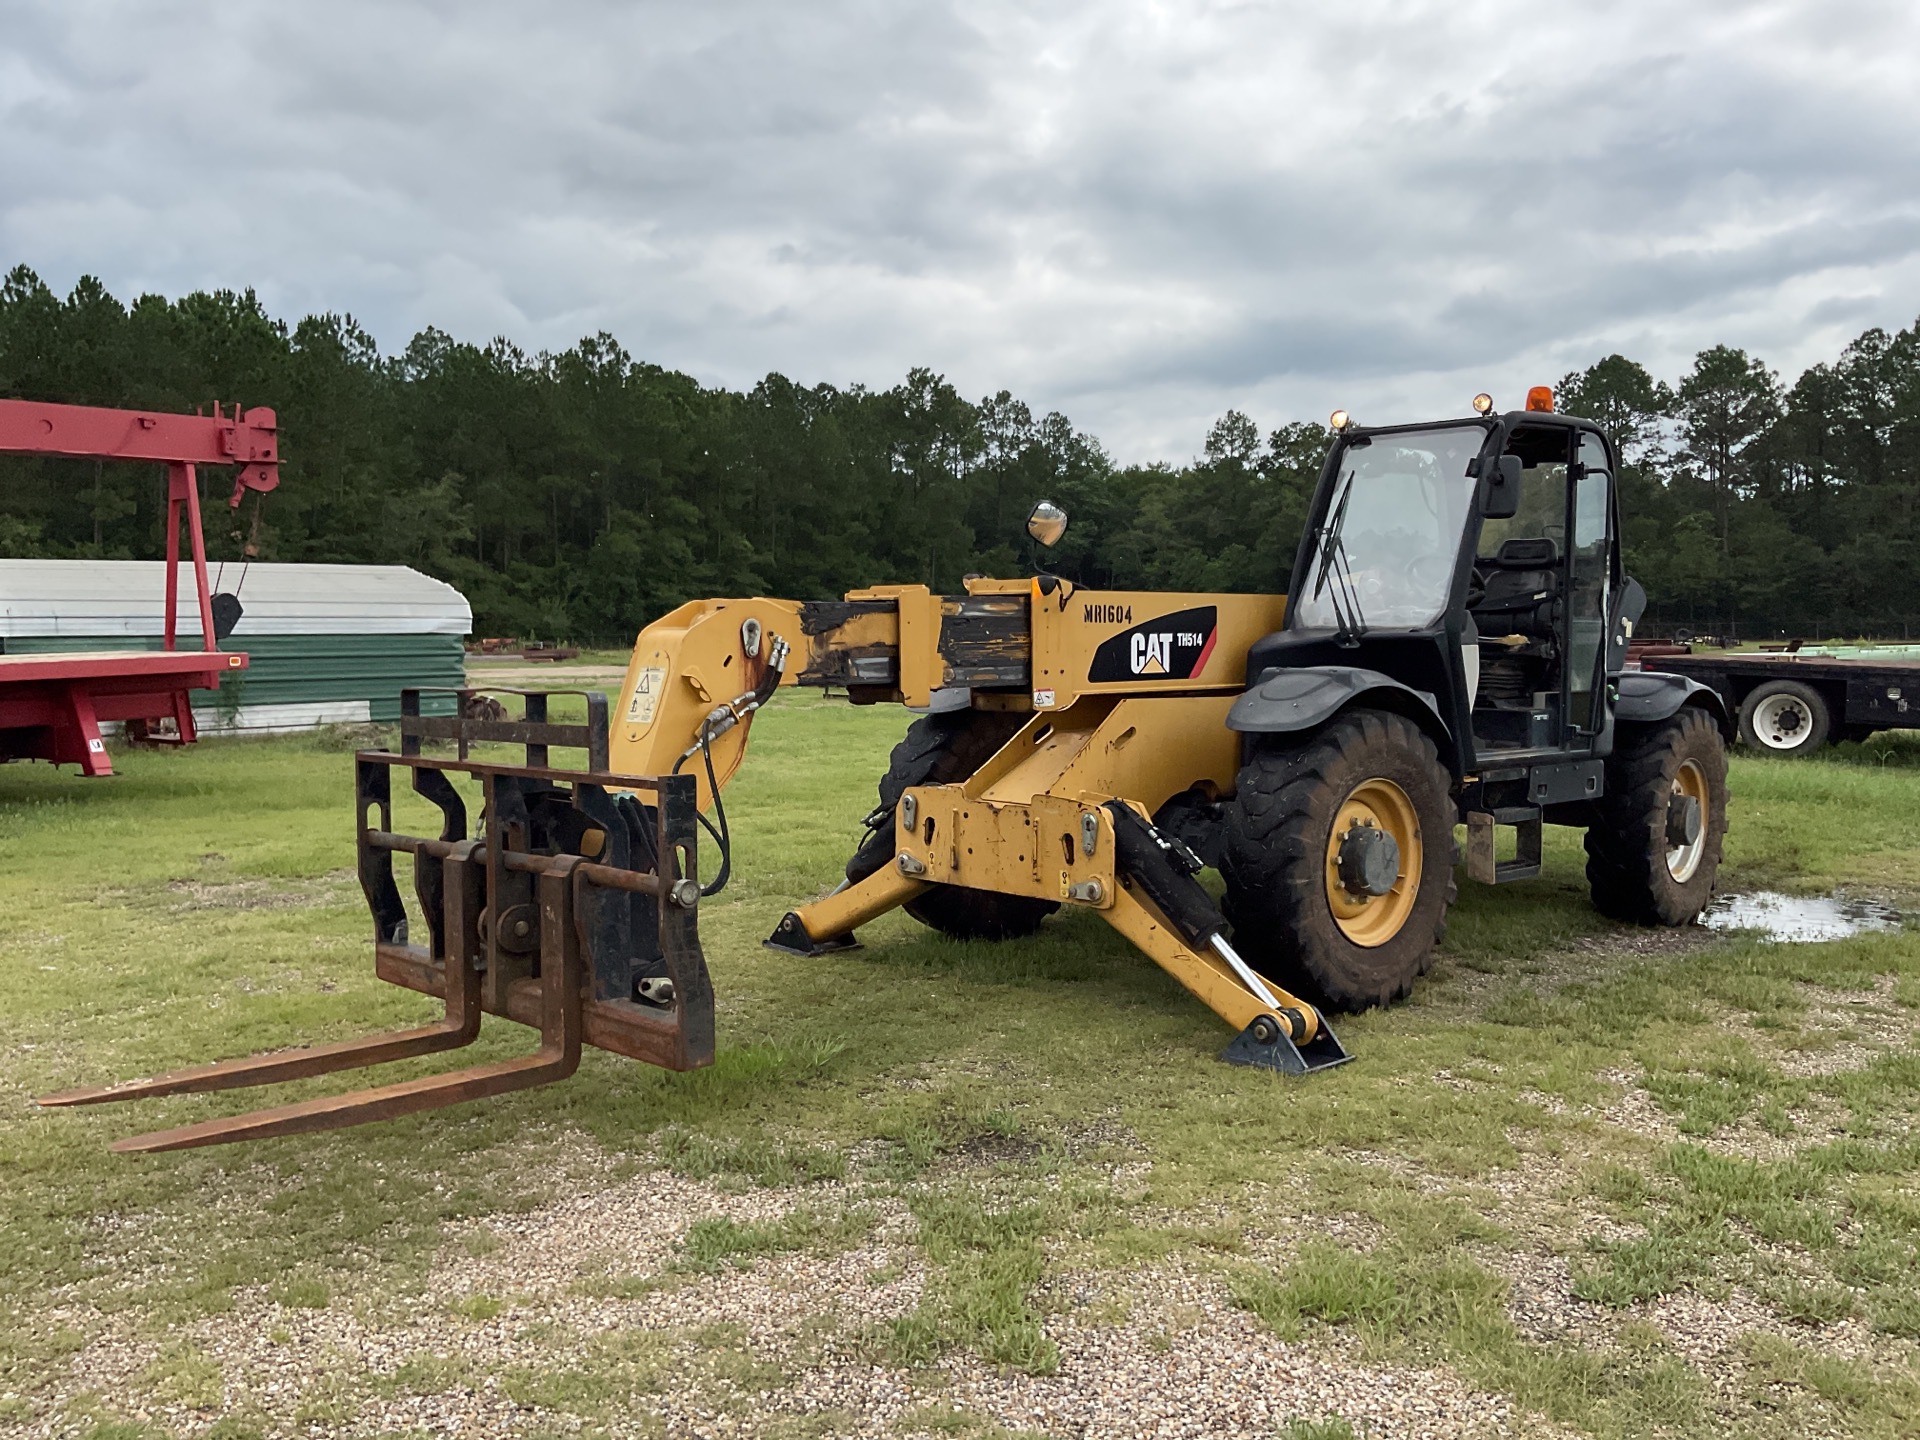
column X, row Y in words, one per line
column 1636, row 869
column 944, row 750
column 1784, row 717
column 1294, row 917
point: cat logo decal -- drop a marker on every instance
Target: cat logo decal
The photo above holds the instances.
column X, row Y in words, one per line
column 1169, row 647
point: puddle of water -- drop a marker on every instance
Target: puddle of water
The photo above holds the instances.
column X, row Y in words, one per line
column 1797, row 919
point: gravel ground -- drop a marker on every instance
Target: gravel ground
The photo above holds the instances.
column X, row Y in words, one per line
column 1158, row 1351
column 520, row 675
column 1706, row 1333
column 522, row 1315
column 1185, row 1363
column 516, row 1303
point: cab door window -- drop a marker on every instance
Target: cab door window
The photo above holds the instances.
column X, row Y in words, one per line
column 1517, row 602
column 1589, row 583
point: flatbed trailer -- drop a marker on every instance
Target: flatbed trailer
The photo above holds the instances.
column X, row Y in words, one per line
column 52, row 705
column 1793, row 704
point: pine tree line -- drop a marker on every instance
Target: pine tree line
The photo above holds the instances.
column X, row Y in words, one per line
column 574, row 496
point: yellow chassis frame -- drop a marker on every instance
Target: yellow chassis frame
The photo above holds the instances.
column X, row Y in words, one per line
column 1057, row 843
column 1030, row 821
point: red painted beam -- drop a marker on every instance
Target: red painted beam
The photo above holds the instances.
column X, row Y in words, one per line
column 249, row 439
column 200, row 669
column 51, row 705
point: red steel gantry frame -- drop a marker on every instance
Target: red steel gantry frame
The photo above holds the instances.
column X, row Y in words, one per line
column 51, row 705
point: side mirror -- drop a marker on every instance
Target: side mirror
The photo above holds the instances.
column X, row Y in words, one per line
column 1500, row 489
column 1047, row 523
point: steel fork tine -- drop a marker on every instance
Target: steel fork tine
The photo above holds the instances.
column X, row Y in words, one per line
column 386, row 1102
column 560, row 986
column 461, row 1024
column 278, row 1065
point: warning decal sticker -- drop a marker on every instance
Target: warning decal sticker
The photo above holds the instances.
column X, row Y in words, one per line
column 646, row 695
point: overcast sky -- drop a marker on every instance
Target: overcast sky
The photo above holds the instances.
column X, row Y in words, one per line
column 1138, row 213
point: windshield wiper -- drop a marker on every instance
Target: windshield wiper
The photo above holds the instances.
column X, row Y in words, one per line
column 1349, row 623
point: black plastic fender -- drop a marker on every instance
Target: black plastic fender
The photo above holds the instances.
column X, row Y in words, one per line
column 1649, row 695
column 1305, row 698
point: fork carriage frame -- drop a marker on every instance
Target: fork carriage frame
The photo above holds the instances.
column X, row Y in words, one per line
column 548, row 919
column 614, row 913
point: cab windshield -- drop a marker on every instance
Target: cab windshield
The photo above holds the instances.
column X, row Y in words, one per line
column 1383, row 554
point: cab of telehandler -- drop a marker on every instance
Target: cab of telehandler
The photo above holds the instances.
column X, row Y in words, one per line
column 1454, row 654
column 1474, row 564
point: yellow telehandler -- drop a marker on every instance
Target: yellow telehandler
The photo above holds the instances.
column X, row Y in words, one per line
column 1453, row 655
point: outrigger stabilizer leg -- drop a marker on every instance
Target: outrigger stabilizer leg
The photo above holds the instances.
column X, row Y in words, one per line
column 1284, row 1032
column 1160, row 907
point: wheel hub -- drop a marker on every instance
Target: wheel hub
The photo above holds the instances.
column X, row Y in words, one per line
column 1369, row 860
column 1781, row 722
column 1683, row 820
column 1686, row 836
column 1373, row 862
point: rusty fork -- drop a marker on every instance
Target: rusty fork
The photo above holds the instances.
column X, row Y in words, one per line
column 596, row 922
column 557, row 1057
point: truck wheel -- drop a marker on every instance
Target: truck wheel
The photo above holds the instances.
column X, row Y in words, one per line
column 1653, row 856
column 1784, row 717
column 1339, row 860
column 944, row 750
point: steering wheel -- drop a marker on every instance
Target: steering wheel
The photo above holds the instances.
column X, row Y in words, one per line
column 1476, row 586
column 1428, row 570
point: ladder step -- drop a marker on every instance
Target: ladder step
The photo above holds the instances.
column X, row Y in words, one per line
column 1508, row 871
column 1516, row 815
column 1481, row 864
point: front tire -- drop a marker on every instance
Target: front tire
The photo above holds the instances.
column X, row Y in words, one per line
column 1784, row 717
column 1645, row 863
column 944, row 750
column 1313, row 907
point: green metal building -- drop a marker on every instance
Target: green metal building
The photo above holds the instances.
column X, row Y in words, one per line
column 327, row 644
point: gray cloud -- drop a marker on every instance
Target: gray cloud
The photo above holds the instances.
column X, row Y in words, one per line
column 1140, row 213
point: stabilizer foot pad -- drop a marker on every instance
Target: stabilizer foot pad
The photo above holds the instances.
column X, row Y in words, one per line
column 1323, row 1052
column 791, row 938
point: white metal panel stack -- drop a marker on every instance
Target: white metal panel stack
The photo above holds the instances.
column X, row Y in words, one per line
column 101, row 598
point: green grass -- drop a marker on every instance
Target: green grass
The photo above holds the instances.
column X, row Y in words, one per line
column 711, row 1244
column 201, row 905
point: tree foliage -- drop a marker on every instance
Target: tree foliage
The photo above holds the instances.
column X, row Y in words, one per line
column 1752, row 507
column 577, row 495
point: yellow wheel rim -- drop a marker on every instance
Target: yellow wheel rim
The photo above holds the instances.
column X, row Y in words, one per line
column 1691, row 781
column 1375, row 919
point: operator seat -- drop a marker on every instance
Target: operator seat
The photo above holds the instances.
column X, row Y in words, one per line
column 1522, row 590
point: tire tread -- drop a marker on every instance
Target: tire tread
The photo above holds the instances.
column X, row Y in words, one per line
column 1627, row 872
column 1276, row 854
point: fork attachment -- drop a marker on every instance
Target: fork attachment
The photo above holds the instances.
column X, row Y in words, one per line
column 574, row 912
